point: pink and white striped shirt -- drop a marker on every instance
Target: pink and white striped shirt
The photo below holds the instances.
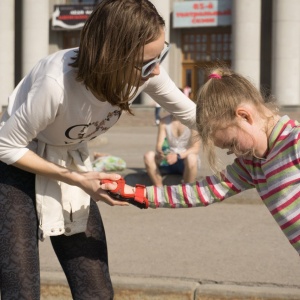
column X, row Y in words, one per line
column 276, row 179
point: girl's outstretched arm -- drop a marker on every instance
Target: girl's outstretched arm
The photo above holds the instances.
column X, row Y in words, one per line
column 233, row 180
column 176, row 196
column 209, row 190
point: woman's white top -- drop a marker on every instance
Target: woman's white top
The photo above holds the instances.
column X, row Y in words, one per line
column 52, row 114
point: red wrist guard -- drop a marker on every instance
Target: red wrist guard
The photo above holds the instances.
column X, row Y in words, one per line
column 138, row 199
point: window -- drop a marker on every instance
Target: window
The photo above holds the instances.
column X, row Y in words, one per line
column 82, row 1
column 206, row 44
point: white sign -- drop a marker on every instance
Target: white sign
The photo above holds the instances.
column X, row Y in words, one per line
column 202, row 13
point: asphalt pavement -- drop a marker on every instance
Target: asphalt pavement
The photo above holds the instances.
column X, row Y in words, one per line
column 232, row 250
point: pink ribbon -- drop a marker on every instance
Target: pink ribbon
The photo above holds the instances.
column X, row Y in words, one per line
column 214, row 75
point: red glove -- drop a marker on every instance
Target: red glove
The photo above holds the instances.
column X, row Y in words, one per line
column 138, row 199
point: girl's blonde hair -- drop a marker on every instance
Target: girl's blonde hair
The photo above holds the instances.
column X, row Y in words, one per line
column 217, row 101
column 111, row 43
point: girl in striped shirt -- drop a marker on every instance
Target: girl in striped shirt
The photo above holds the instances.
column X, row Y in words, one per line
column 232, row 114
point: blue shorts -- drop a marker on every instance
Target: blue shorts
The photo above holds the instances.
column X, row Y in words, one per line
column 176, row 168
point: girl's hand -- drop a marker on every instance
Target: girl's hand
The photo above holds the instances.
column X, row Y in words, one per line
column 128, row 189
column 133, row 195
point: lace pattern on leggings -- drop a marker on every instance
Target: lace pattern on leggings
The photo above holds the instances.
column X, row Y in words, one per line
column 83, row 256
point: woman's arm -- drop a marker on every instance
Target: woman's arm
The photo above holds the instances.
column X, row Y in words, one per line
column 193, row 146
column 90, row 182
column 164, row 91
column 41, row 104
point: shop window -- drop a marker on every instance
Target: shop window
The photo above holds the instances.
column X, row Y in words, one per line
column 201, row 47
column 209, row 45
column 82, row 1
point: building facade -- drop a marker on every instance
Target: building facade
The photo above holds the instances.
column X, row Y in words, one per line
column 257, row 38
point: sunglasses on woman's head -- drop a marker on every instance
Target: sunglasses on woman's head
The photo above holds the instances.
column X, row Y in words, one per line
column 148, row 67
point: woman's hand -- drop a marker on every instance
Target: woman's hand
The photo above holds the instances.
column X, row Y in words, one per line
column 171, row 158
column 91, row 184
column 159, row 156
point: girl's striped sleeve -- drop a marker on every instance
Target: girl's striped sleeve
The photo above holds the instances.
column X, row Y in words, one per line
column 201, row 193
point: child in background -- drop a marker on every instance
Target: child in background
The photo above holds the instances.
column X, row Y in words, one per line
column 232, row 114
column 177, row 152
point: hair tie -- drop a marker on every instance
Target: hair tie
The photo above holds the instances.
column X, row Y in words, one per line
column 214, row 75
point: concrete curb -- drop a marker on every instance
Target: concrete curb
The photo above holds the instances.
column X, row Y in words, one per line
column 54, row 286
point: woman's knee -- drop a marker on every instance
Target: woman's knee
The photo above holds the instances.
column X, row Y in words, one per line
column 191, row 161
column 149, row 157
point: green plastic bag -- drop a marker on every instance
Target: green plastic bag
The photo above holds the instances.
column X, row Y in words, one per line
column 166, row 149
column 108, row 163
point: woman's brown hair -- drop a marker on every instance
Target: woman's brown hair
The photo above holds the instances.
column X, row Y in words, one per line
column 111, row 43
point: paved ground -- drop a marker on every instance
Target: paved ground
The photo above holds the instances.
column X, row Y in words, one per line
column 232, row 250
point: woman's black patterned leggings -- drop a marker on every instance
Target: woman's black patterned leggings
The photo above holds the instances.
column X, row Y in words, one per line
column 82, row 256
